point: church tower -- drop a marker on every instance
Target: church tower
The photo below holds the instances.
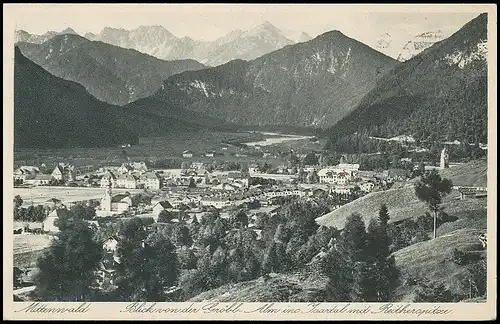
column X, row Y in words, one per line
column 106, row 200
column 444, row 159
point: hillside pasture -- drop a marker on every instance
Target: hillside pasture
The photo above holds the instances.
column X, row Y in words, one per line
column 402, row 204
column 431, row 260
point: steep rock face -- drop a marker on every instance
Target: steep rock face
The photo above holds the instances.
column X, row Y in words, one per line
column 23, row 36
column 238, row 44
column 110, row 73
column 50, row 112
column 420, row 43
column 404, row 48
column 315, row 83
column 441, row 92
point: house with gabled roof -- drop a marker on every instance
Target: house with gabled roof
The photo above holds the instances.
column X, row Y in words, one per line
column 108, row 177
column 151, row 180
column 126, row 181
column 161, row 206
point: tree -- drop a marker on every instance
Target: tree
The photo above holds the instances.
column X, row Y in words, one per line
column 431, row 189
column 239, row 219
column 18, row 202
column 149, row 264
column 182, row 236
column 383, row 215
column 165, row 216
column 352, row 242
column 192, row 183
column 83, row 212
column 310, row 159
column 381, row 273
column 67, row 270
column 432, row 292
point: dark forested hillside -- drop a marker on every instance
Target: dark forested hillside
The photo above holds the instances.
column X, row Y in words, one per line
column 311, row 84
column 440, row 94
column 52, row 112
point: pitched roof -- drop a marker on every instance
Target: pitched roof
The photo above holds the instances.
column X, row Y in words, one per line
column 164, row 204
column 129, row 177
column 119, row 197
column 43, row 177
column 59, row 212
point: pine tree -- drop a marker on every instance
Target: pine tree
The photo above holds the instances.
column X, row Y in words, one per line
column 383, row 215
column 431, row 189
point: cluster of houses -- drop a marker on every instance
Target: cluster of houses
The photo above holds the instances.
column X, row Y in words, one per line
column 31, row 175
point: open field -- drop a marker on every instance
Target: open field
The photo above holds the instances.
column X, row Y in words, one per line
column 276, row 288
column 26, row 243
column 27, row 249
column 430, row 260
column 171, row 147
column 39, row 195
column 473, row 174
column 402, row 203
column 148, row 147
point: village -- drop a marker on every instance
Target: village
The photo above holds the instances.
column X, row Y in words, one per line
column 185, row 195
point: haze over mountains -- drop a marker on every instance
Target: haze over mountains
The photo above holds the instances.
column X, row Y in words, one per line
column 441, row 92
column 112, row 74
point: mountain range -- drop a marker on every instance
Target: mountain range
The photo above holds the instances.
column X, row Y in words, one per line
column 51, row 112
column 112, row 74
column 160, row 43
column 440, row 93
column 310, row 84
column 238, row 44
column 331, row 82
column 24, row 36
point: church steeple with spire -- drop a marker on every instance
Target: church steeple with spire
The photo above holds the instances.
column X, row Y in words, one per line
column 444, row 164
column 106, row 200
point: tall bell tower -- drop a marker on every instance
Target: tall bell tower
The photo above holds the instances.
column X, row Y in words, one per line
column 106, row 200
column 444, row 159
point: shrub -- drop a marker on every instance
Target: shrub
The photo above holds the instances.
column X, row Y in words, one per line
column 459, row 257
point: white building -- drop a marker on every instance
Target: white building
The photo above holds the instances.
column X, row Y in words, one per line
column 25, row 172
column 444, row 163
column 49, row 224
column 151, row 180
column 159, row 207
column 40, row 180
column 128, row 181
column 116, row 203
column 367, row 186
column 187, row 154
column 110, row 245
column 108, row 177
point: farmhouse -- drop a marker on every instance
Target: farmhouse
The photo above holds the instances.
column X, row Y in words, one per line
column 25, row 172
column 151, row 181
column 108, row 177
column 161, row 206
column 64, row 172
column 49, row 222
column 110, row 245
column 40, row 180
column 126, row 181
column 187, row 154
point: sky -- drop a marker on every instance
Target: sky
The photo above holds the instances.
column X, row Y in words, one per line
column 208, row 22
